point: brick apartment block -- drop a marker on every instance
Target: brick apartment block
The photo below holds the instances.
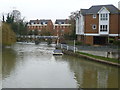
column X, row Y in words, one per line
column 60, row 27
column 40, row 25
column 98, row 24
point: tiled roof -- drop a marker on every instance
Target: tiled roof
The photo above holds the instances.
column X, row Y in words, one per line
column 40, row 21
column 95, row 9
column 84, row 11
column 62, row 21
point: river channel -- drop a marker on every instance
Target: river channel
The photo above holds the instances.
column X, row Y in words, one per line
column 34, row 66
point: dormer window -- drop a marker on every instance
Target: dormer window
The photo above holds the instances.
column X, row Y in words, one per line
column 42, row 23
column 94, row 16
column 62, row 22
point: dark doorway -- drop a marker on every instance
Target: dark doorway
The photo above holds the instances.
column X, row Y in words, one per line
column 99, row 40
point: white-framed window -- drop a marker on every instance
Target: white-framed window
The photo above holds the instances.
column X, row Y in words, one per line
column 94, row 16
column 104, row 16
column 94, row 26
column 103, row 28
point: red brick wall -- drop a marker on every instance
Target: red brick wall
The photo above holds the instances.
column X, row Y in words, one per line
column 89, row 21
column 89, row 40
column 114, row 24
column 48, row 27
column 61, row 30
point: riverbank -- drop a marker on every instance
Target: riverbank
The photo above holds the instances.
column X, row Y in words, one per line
column 100, row 59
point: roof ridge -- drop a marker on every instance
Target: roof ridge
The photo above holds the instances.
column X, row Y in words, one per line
column 104, row 5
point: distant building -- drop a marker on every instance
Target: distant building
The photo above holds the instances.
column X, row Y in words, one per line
column 41, row 26
column 61, row 27
column 98, row 24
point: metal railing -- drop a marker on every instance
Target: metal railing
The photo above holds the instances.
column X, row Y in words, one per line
column 107, row 48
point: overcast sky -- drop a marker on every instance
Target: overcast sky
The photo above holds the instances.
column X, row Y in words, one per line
column 49, row 9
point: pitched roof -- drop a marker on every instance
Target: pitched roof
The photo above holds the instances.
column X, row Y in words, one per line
column 62, row 21
column 40, row 21
column 95, row 9
column 84, row 11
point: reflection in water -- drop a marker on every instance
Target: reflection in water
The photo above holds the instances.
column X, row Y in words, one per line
column 0, row 68
column 8, row 61
column 93, row 75
column 31, row 66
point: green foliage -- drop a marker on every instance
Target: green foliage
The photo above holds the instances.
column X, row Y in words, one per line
column 72, row 34
column 45, row 32
column 30, row 32
column 10, row 18
column 116, row 43
column 8, row 36
column 111, row 40
column 78, row 43
column 19, row 27
column 35, row 32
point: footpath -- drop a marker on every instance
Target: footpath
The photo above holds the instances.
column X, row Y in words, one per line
column 84, row 53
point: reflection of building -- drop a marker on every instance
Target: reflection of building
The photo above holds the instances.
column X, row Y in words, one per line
column 62, row 26
column 17, row 15
column 93, row 75
column 97, row 24
column 40, row 25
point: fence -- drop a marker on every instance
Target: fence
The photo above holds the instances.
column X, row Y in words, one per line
column 105, row 51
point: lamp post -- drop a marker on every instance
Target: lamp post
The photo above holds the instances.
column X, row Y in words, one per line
column 74, row 46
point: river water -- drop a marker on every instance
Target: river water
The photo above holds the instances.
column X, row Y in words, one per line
column 34, row 66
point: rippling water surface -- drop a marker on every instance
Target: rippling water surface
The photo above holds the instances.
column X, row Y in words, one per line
column 34, row 66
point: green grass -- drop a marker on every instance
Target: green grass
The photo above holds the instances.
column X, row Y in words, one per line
column 70, row 42
column 100, row 57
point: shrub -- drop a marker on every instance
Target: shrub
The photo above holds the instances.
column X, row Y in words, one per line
column 116, row 42
column 78, row 43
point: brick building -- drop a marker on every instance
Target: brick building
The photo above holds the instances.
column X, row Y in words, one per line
column 42, row 26
column 98, row 24
column 62, row 27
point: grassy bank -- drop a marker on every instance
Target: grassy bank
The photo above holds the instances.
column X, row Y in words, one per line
column 100, row 57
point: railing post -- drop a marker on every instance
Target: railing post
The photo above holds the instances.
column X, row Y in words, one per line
column 61, row 46
column 67, row 47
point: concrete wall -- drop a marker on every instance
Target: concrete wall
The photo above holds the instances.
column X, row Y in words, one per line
column 103, row 54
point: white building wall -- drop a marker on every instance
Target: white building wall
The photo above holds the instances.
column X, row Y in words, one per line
column 119, row 5
column 103, row 22
column 77, row 24
column 80, row 25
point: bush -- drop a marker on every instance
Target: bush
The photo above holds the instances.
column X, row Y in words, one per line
column 111, row 40
column 117, row 42
column 78, row 43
